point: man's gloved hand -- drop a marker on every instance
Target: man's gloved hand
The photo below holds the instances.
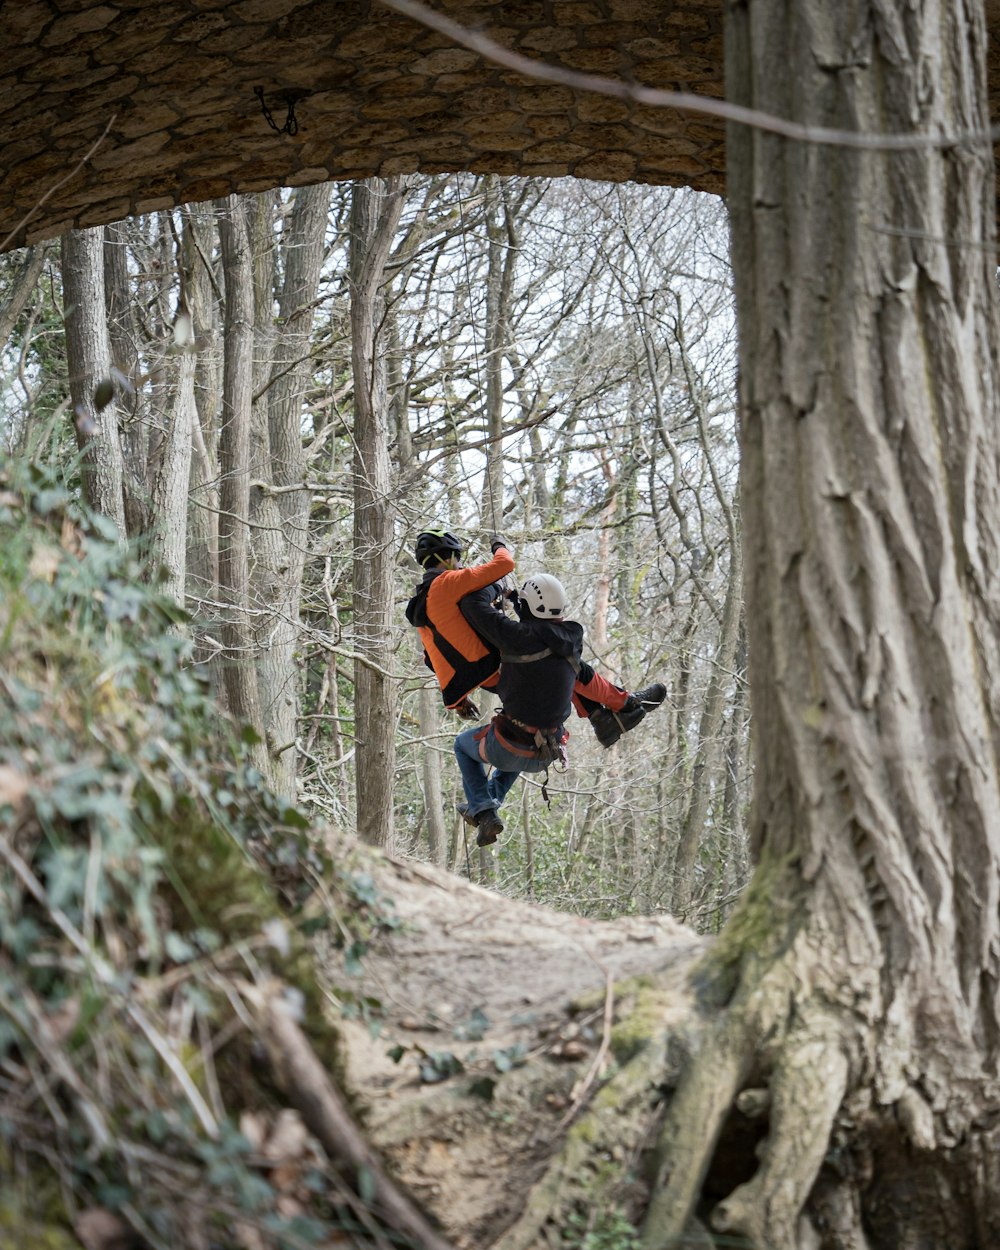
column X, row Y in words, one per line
column 498, row 541
column 466, row 709
column 521, row 607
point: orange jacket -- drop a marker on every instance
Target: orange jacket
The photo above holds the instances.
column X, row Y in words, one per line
column 461, row 660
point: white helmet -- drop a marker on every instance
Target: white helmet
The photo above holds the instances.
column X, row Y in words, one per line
column 545, row 596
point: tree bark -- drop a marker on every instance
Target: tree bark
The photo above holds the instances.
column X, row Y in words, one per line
column 136, row 417
column 430, row 723
column 498, row 280
column 711, row 743
column 22, row 288
column 202, row 556
column 865, row 989
column 375, row 211
column 288, row 510
column 170, row 490
column 88, row 356
column 240, row 671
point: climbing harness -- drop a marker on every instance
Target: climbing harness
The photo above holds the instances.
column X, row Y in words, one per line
column 548, row 746
column 527, row 741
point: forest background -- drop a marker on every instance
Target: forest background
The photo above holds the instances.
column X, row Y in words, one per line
column 552, row 360
column 821, row 1074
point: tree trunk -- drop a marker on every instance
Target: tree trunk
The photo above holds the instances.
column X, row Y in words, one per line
column 711, row 743
column 136, row 417
column 275, row 680
column 88, row 356
column 865, row 989
column 202, row 557
column 170, row 490
column 22, row 288
column 303, row 249
column 240, row 672
column 430, row 723
column 497, row 297
column 375, row 211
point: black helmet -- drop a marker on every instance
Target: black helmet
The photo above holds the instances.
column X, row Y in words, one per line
column 433, row 545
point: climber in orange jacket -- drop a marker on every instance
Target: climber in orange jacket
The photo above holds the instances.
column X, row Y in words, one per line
column 459, row 658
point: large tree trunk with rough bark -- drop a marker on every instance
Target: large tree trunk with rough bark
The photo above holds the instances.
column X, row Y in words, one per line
column 863, row 996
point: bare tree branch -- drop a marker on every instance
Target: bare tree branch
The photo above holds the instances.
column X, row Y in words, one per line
column 682, row 101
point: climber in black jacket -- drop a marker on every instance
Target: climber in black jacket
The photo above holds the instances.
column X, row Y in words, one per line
column 540, row 659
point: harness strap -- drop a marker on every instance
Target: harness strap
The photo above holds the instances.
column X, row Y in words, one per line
column 508, row 744
column 571, row 660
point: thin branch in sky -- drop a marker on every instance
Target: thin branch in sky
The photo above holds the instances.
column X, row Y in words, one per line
column 682, row 101
column 900, row 233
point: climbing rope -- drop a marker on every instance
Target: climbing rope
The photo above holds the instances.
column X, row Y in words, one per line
column 468, row 861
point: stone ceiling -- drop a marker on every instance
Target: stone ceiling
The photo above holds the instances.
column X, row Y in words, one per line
column 374, row 93
column 174, row 87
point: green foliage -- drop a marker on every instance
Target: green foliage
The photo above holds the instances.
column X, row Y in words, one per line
column 599, row 1230
column 144, row 866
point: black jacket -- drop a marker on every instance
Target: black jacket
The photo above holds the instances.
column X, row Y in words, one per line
column 540, row 692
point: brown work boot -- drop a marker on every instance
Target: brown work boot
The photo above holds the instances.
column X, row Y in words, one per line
column 488, row 827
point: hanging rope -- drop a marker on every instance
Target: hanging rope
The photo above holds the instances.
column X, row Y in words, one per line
column 475, row 354
column 468, row 861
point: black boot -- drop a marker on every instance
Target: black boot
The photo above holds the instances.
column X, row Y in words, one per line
column 651, row 696
column 487, row 824
column 609, row 726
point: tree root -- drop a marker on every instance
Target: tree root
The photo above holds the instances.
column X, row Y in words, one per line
column 615, row 1123
column 328, row 1118
column 690, row 1132
column 809, row 1078
column 807, row 1088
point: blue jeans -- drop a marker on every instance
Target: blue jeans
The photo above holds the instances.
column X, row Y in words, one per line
column 482, row 793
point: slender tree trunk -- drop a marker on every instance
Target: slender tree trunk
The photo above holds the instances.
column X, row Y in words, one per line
column 302, row 252
column 737, row 868
column 202, row 557
column 136, row 417
column 22, row 288
column 430, row 723
column 240, row 673
column 711, row 742
column 88, row 356
column 604, row 573
column 870, row 493
column 170, row 490
column 529, row 846
column 375, row 211
column 275, row 680
column 497, row 289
